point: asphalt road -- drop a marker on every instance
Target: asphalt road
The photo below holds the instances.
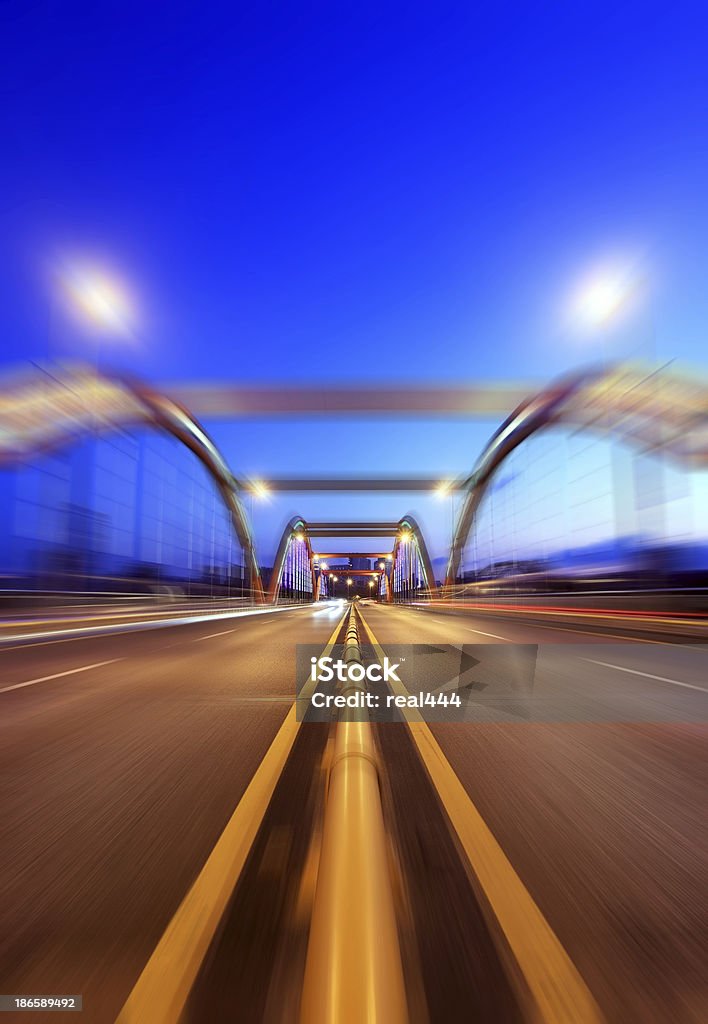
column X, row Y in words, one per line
column 123, row 756
column 597, row 798
column 116, row 781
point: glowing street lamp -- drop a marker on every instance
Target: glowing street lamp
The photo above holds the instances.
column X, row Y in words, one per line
column 349, row 582
column 600, row 301
column 445, row 490
column 259, row 489
column 371, row 583
column 100, row 299
column 334, row 579
column 600, row 298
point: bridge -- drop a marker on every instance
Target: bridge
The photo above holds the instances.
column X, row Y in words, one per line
column 190, row 837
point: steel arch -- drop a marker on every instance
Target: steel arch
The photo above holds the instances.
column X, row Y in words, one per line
column 650, row 409
column 295, row 525
column 41, row 413
column 408, row 522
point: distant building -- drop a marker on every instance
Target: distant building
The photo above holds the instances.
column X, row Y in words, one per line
column 359, row 563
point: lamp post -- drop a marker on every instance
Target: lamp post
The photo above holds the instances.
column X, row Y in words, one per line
column 104, row 304
column 101, row 301
column 442, row 491
column 258, row 490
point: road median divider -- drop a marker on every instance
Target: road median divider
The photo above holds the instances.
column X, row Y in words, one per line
column 353, row 970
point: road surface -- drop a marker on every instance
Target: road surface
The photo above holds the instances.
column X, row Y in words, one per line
column 124, row 754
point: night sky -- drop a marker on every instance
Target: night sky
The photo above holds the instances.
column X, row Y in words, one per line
column 380, row 193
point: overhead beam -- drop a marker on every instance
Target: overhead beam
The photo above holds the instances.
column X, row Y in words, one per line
column 355, row 572
column 366, row 483
column 349, row 525
column 352, row 554
column 343, row 532
column 474, row 400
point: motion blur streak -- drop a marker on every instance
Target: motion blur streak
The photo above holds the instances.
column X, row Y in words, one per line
column 130, row 626
column 168, row 822
column 558, row 993
column 164, row 985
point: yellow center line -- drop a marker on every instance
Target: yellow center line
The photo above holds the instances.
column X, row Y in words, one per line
column 550, row 978
column 162, row 990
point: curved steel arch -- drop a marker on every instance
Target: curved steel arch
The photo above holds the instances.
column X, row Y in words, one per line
column 295, row 525
column 408, row 522
column 650, row 409
column 299, row 525
column 43, row 413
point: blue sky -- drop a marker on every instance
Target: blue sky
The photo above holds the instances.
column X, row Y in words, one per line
column 318, row 192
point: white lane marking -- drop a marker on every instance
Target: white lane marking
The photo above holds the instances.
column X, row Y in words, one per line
column 647, row 675
column 482, row 633
column 495, row 636
column 58, row 675
column 212, row 635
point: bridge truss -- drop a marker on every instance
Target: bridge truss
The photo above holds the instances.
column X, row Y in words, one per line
column 652, row 410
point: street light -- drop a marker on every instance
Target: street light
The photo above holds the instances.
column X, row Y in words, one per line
column 259, row 489
column 100, row 299
column 601, row 297
column 445, row 490
column 601, row 300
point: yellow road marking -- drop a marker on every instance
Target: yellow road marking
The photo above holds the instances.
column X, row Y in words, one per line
column 161, row 991
column 559, row 993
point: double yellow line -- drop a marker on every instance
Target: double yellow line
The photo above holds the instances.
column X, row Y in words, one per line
column 548, row 983
column 162, row 990
column 354, row 973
